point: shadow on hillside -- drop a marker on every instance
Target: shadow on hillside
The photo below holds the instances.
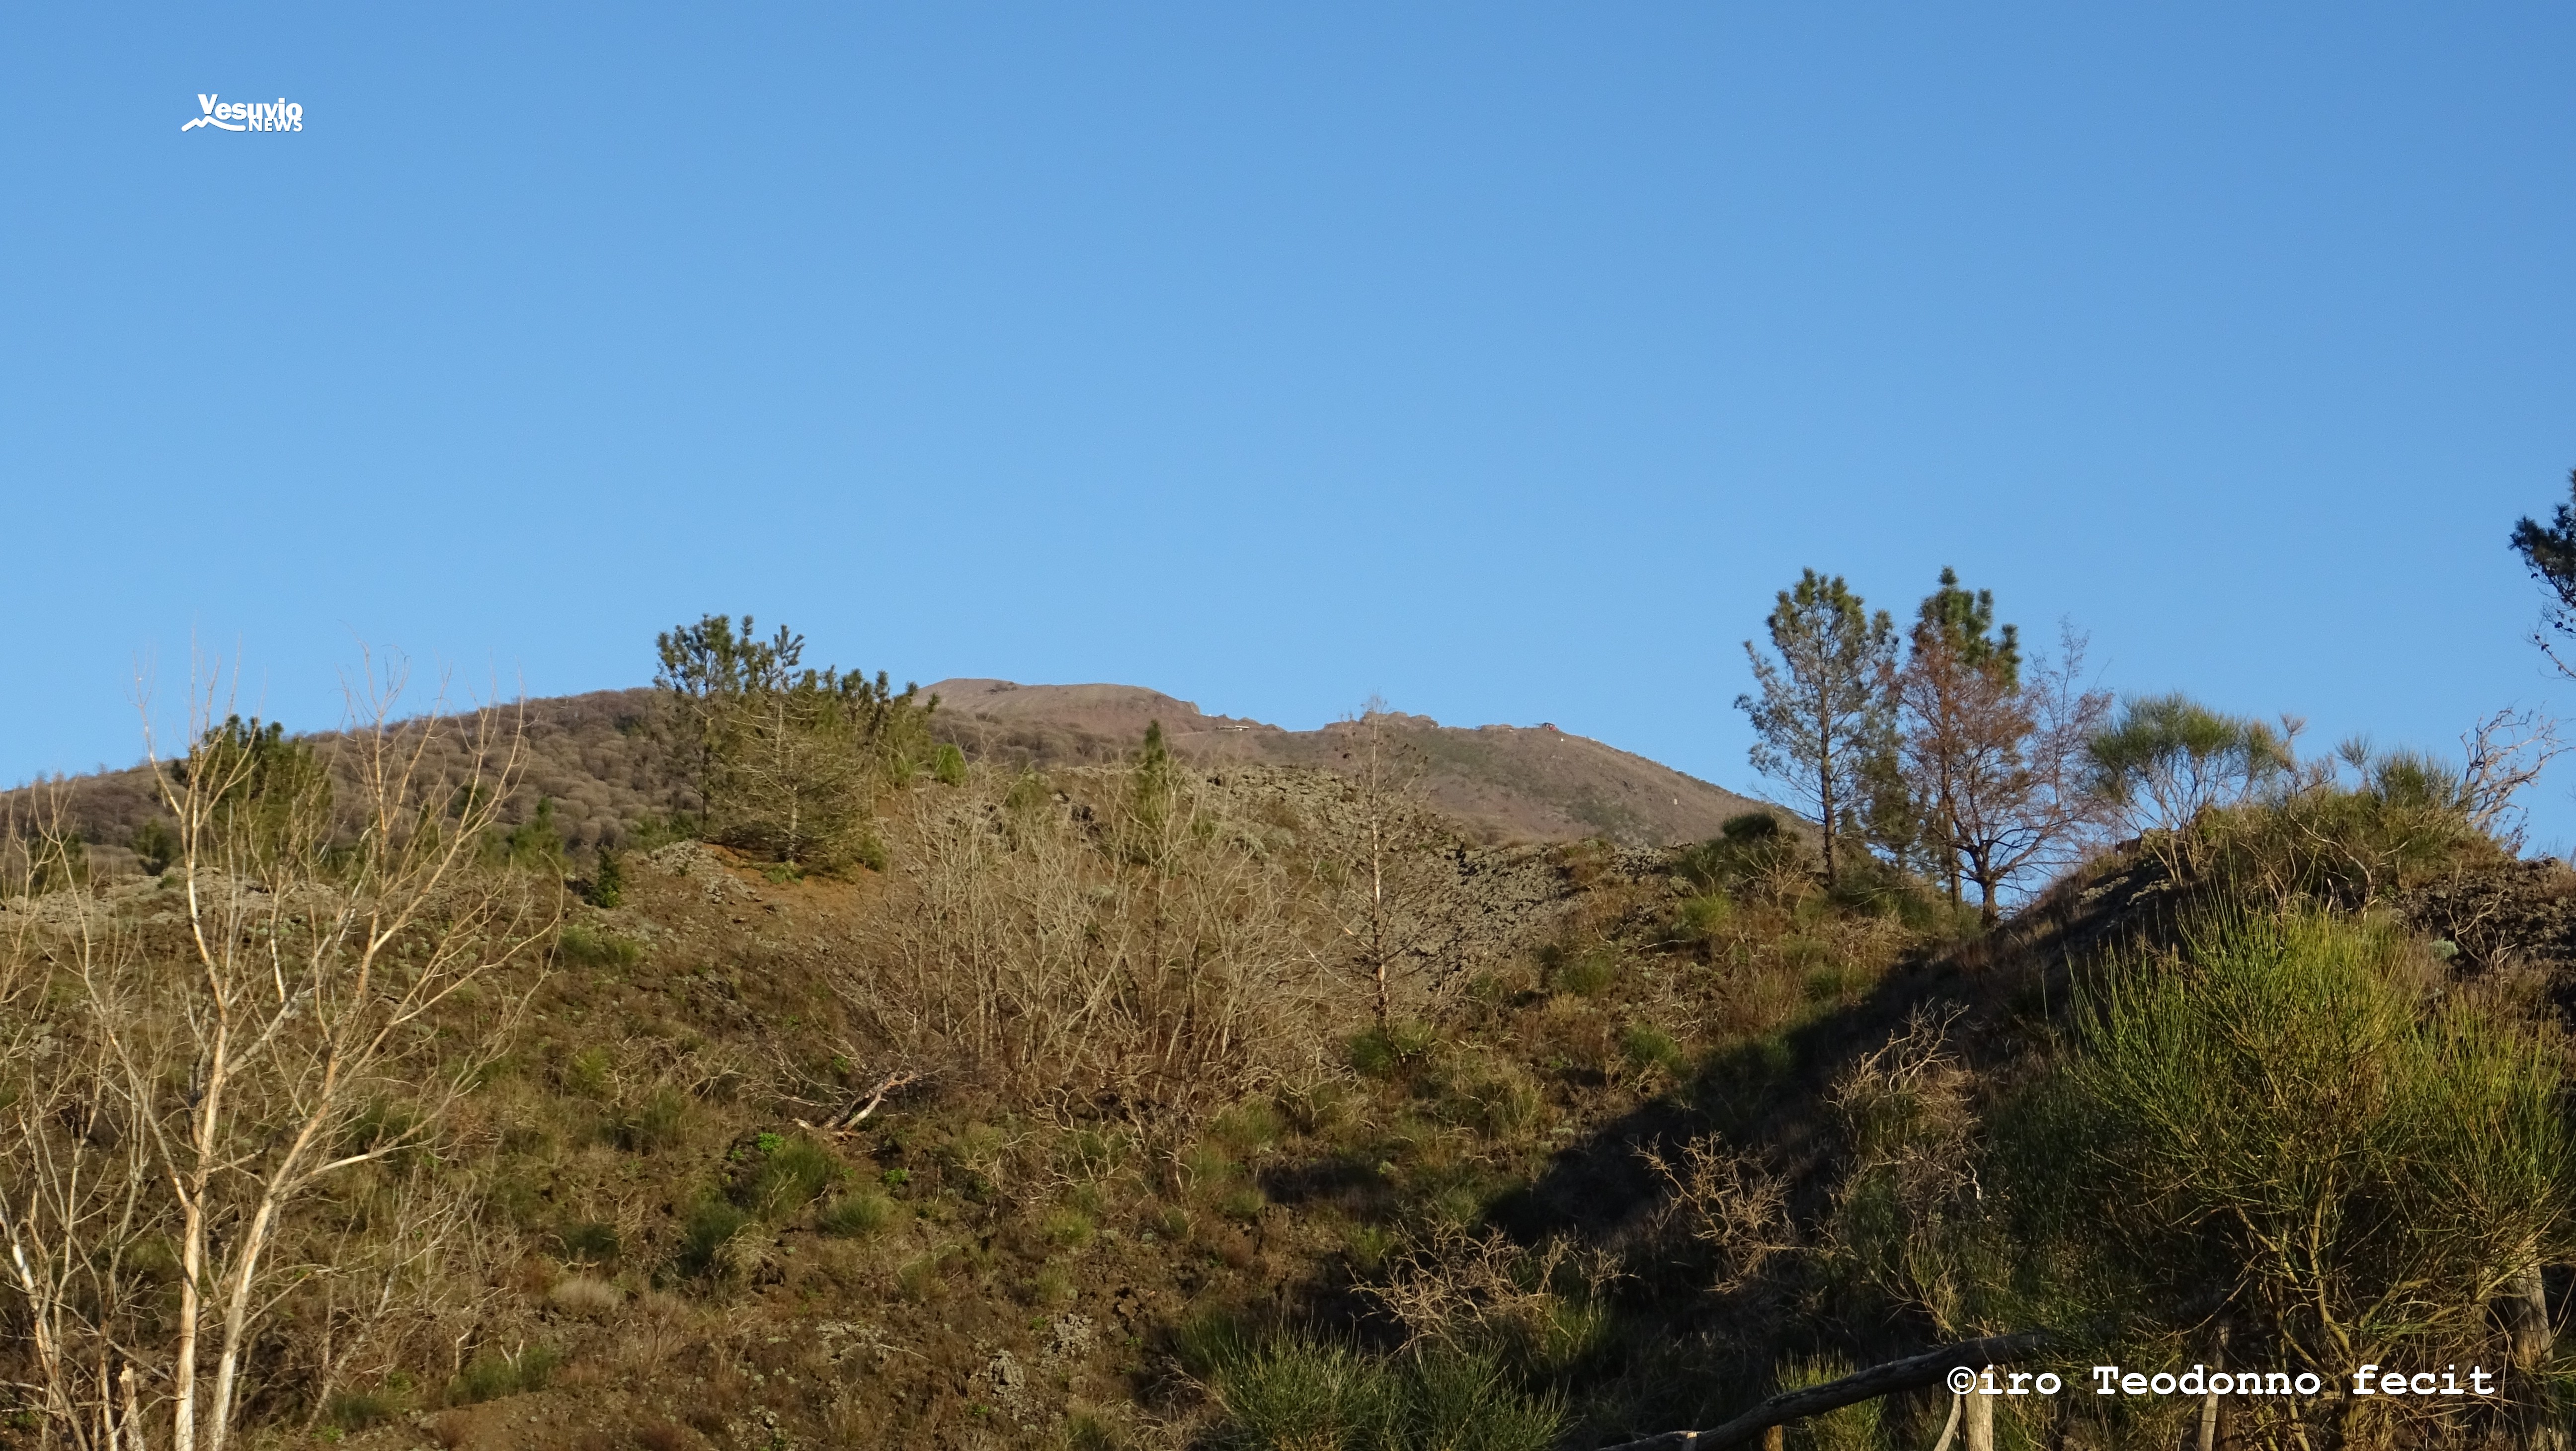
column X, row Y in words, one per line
column 1772, row 1093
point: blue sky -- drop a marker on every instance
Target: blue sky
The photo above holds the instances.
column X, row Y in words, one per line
column 1499, row 360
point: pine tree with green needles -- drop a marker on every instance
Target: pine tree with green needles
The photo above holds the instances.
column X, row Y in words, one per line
column 1823, row 713
column 2549, row 552
column 608, row 883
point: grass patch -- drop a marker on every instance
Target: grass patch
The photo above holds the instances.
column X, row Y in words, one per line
column 581, row 945
column 1067, row 1228
column 856, row 1216
column 1249, row 1126
column 1833, row 983
column 657, row 1123
column 1647, row 1047
column 588, row 1242
column 363, row 1410
column 791, row 1173
column 1385, row 1052
column 1585, row 974
column 1298, row 1392
column 490, row 1377
column 703, row 1236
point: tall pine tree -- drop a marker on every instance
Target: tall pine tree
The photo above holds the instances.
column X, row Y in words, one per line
column 1822, row 716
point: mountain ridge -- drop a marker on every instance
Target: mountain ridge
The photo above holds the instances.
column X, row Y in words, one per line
column 599, row 760
column 1508, row 782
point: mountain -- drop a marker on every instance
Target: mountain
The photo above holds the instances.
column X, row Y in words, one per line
column 1506, row 783
column 604, row 767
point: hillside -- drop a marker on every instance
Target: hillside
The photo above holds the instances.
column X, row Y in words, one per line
column 605, row 767
column 1506, row 783
column 1206, row 1101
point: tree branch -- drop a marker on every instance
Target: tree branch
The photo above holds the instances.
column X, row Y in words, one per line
column 1878, row 1380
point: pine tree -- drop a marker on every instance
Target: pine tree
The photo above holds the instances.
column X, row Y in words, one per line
column 1823, row 715
column 1957, row 669
column 2549, row 552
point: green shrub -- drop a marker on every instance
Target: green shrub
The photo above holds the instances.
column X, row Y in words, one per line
column 535, row 844
column 1646, row 1046
column 1830, row 984
column 2405, row 820
column 1368, row 1245
column 856, row 1216
column 1302, row 1392
column 1748, row 848
column 921, row 1279
column 57, row 862
column 1859, row 1426
column 791, row 1173
column 1386, row 1051
column 710, row 1226
column 1703, row 917
column 1211, row 1341
column 586, row 1073
column 2286, row 1082
column 1317, row 1108
column 158, row 846
column 1586, row 974
column 1067, row 1228
column 1093, row 1153
column 1206, row 1168
column 581, row 945
column 652, row 833
column 362, row 1410
column 607, row 887
column 1498, row 1102
column 1248, row 1126
column 490, row 1377
column 656, row 1123
column 589, row 1242
column 948, row 765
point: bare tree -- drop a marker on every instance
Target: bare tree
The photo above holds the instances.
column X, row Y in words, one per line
column 2000, row 757
column 1384, row 865
column 301, row 1021
column 2504, row 753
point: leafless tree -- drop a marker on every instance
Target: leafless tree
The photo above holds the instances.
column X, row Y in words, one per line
column 1382, row 854
column 2504, row 753
column 300, row 1022
column 2000, row 758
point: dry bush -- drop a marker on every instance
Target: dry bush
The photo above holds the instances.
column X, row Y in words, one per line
column 1724, row 1201
column 1907, row 1101
column 1142, row 954
column 1473, row 1292
column 1909, row 1216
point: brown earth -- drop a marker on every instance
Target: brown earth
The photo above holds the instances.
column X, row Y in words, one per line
column 1506, row 783
column 599, row 759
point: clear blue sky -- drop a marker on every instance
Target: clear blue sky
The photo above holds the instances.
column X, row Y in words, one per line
column 1500, row 360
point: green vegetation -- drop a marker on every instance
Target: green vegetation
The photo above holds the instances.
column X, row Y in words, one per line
column 788, row 760
column 1152, row 1104
column 1822, row 715
column 1289, row 1393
